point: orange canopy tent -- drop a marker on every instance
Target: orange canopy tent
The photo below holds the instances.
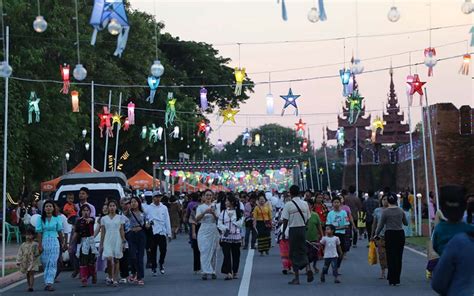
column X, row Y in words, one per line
column 143, row 180
column 82, row 168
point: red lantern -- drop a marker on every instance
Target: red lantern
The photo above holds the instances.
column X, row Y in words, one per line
column 304, row 145
column 126, row 124
column 105, row 118
column 65, row 74
column 75, row 101
column 202, row 127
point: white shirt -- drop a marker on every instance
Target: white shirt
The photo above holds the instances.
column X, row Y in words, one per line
column 160, row 217
column 330, row 246
column 67, row 228
column 291, row 213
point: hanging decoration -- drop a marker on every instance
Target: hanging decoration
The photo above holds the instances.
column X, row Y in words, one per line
column 300, row 127
column 239, row 79
column 229, row 114
column 203, row 99
column 170, row 114
column 270, row 102
column 345, row 75
column 313, row 15
column 377, row 124
column 65, row 74
column 340, row 136
column 126, row 124
column 131, row 113
column 322, row 11
column 220, row 145
column 111, row 13
column 290, row 99
column 304, row 145
column 153, row 83
column 75, row 101
column 257, row 140
column 472, row 36
column 155, row 133
column 430, row 59
column 355, row 106
column 416, row 86
column 117, row 119
column 33, row 107
column 175, row 133
column 393, row 14
column 467, row 7
column 144, row 132
column 466, row 62
column 284, row 14
column 246, row 137
column 104, row 122
column 157, row 68
column 357, row 67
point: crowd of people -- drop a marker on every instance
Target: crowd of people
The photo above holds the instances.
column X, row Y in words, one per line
column 122, row 238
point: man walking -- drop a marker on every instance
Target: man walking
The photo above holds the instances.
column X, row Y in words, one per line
column 157, row 214
column 295, row 215
column 369, row 206
column 353, row 202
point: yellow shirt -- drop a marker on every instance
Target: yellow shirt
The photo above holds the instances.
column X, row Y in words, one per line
column 262, row 213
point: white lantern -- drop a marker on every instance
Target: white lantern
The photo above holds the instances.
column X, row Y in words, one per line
column 5, row 69
column 84, row 133
column 87, row 146
column 270, row 101
column 313, row 15
column 166, row 173
column 157, row 69
column 79, row 73
column 219, row 145
column 393, row 14
column 147, row 158
column 114, row 27
column 467, row 7
column 357, row 67
column 67, row 155
column 39, row 24
column 430, row 61
column 161, row 158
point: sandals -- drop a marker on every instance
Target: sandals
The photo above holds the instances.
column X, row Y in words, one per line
column 49, row 288
column 310, row 276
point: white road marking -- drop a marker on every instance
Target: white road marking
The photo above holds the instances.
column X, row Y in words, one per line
column 17, row 284
column 245, row 282
column 416, row 252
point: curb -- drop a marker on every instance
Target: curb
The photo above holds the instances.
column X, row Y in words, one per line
column 11, row 278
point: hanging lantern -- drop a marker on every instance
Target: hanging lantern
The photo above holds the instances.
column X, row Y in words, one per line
column 290, row 99
column 430, row 59
column 219, row 145
column 304, row 145
column 357, row 67
column 116, row 119
column 340, row 136
column 113, row 13
column 228, row 114
column 79, row 73
column 33, row 107
column 5, row 69
column 300, row 127
column 322, row 11
column 355, row 106
column 157, row 69
column 345, row 75
column 202, row 127
column 270, row 103
column 377, row 124
column 467, row 7
column 126, row 124
column 170, row 114
column 105, row 118
column 155, row 133
column 153, row 83
column 416, row 86
column 175, row 133
column 131, row 113
column 39, row 24
column 203, row 98
column 466, row 62
column 84, row 133
column 245, row 137
column 313, row 15
column 144, row 132
column 87, row 146
column 257, row 140
column 75, row 101
column 239, row 79
column 65, row 74
column 393, row 14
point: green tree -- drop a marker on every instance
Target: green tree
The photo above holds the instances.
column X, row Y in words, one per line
column 36, row 152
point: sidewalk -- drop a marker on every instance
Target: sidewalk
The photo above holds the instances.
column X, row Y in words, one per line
column 10, row 251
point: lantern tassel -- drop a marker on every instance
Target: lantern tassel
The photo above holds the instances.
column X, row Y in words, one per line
column 65, row 89
column 121, row 42
column 464, row 70
column 94, row 35
column 472, row 36
column 322, row 11
column 284, row 14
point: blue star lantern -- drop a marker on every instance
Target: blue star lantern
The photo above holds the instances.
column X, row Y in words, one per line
column 290, row 99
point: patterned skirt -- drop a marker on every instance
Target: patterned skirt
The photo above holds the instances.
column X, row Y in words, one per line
column 285, row 254
column 263, row 237
column 380, row 243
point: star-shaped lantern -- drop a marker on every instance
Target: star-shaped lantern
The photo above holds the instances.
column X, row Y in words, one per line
column 377, row 124
column 300, row 127
column 116, row 118
column 229, row 114
column 290, row 99
column 416, row 85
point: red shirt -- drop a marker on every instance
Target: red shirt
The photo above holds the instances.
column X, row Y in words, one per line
column 322, row 212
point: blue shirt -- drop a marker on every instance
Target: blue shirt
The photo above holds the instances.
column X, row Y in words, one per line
column 454, row 273
column 50, row 228
column 444, row 231
column 338, row 219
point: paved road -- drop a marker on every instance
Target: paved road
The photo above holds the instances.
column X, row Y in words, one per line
column 358, row 278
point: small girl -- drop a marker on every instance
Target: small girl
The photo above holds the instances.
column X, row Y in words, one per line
column 112, row 241
column 332, row 250
column 28, row 258
column 86, row 250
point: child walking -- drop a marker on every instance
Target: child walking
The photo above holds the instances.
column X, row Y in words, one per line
column 28, row 258
column 332, row 249
column 86, row 250
column 112, row 241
